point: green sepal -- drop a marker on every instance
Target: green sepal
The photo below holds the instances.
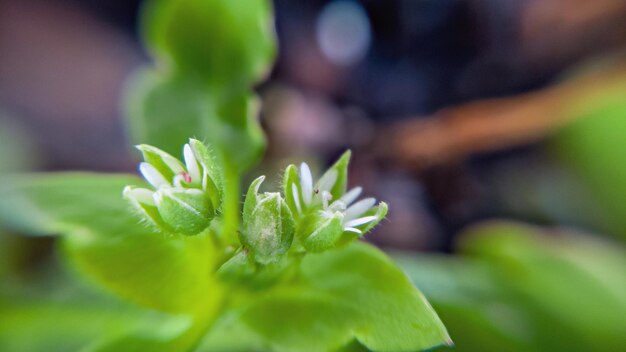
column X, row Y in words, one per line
column 187, row 211
column 238, row 268
column 380, row 212
column 325, row 235
column 147, row 213
column 165, row 163
column 208, row 161
column 251, row 199
column 269, row 229
column 290, row 178
column 341, row 167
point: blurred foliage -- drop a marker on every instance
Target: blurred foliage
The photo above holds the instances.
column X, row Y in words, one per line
column 52, row 311
column 519, row 288
column 208, row 54
column 16, row 151
column 593, row 147
column 356, row 292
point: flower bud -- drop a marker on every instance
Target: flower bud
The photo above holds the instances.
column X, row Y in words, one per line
column 186, row 211
column 268, row 225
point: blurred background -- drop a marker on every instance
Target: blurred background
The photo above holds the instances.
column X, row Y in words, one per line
column 452, row 106
column 457, row 111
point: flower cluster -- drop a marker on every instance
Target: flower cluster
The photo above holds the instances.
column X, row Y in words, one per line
column 185, row 197
column 327, row 213
column 307, row 217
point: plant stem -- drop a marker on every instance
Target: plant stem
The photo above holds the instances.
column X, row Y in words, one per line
column 232, row 203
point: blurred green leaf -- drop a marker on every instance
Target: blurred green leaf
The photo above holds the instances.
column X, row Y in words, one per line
column 520, row 289
column 59, row 314
column 104, row 240
column 356, row 293
column 594, row 147
column 228, row 44
column 167, row 110
column 209, row 54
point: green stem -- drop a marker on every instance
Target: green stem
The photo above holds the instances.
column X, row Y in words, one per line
column 232, row 205
column 204, row 320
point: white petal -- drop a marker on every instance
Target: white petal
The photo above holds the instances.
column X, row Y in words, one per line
column 306, row 182
column 192, row 164
column 152, row 175
column 327, row 181
column 360, row 221
column 352, row 229
column 358, row 208
column 296, row 197
column 351, row 195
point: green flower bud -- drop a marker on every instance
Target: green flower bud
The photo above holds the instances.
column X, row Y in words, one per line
column 268, row 225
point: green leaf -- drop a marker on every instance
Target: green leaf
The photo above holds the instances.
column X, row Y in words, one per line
column 518, row 288
column 560, row 273
column 59, row 313
column 166, row 110
column 593, row 149
column 229, row 44
column 105, row 241
column 356, row 293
